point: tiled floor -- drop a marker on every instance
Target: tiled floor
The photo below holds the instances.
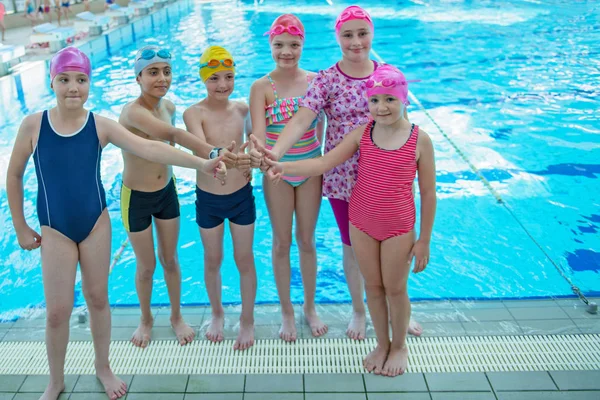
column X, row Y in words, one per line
column 445, row 318
column 576, row 385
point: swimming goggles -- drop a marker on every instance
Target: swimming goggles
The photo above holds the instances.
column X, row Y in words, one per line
column 227, row 63
column 355, row 13
column 279, row 29
column 388, row 83
column 149, row 54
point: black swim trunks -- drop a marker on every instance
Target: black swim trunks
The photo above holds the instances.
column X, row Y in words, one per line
column 212, row 209
column 138, row 208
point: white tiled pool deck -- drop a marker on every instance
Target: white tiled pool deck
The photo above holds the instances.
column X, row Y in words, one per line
column 439, row 318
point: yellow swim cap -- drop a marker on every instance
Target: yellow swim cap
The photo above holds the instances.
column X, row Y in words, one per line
column 213, row 60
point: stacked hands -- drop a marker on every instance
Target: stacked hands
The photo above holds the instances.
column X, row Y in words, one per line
column 229, row 159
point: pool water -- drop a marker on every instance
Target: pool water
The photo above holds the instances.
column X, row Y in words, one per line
column 512, row 85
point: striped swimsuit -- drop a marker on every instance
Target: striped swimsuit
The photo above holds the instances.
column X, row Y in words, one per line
column 278, row 114
column 382, row 203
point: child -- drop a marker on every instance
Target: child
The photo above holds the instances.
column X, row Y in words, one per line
column 276, row 96
column 219, row 121
column 148, row 192
column 66, row 142
column 31, row 11
column 382, row 209
column 2, row 12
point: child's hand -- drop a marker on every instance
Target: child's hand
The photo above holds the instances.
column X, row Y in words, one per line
column 243, row 159
column 229, row 157
column 266, row 153
column 420, row 252
column 28, row 238
column 217, row 168
column 255, row 155
column 274, row 171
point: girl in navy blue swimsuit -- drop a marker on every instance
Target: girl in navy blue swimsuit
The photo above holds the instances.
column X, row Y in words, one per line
column 66, row 142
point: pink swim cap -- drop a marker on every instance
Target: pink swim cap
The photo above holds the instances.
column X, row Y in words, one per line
column 351, row 13
column 70, row 59
column 388, row 79
column 286, row 23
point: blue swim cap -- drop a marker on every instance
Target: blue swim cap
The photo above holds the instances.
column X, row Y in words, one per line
column 149, row 55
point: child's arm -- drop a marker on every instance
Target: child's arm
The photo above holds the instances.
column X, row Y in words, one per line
column 143, row 120
column 110, row 131
column 259, row 123
column 22, row 150
column 426, row 170
column 193, row 123
column 316, row 166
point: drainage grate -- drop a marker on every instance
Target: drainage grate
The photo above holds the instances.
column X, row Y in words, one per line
column 428, row 354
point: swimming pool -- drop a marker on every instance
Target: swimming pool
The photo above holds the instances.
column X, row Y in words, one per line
column 513, row 87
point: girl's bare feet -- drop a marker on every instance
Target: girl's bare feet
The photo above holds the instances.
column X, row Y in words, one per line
column 357, row 327
column 215, row 329
column 245, row 338
column 53, row 391
column 288, row 327
column 141, row 336
column 185, row 334
column 414, row 328
column 317, row 327
column 375, row 360
column 397, row 361
column 114, row 387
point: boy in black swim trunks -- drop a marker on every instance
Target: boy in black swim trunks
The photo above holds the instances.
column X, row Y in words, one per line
column 221, row 122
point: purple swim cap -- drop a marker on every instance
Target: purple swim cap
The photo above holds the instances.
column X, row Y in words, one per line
column 70, row 59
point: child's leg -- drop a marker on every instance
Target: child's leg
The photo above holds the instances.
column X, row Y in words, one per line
column 395, row 266
column 212, row 240
column 59, row 265
column 308, row 204
column 280, row 203
column 94, row 258
column 145, row 265
column 243, row 239
column 367, row 252
column 167, row 232
column 357, row 326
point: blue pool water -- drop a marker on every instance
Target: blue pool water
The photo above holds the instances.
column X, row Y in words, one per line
column 513, row 86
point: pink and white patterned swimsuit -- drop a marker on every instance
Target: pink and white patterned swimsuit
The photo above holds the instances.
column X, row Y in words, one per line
column 344, row 101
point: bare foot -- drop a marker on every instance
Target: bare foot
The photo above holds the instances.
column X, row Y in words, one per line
column 114, row 387
column 357, row 327
column 317, row 327
column 245, row 338
column 141, row 336
column 288, row 327
column 184, row 333
column 215, row 329
column 397, row 361
column 375, row 359
column 414, row 328
column 52, row 391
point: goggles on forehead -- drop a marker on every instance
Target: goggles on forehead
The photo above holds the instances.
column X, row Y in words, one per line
column 149, row 54
column 355, row 13
column 227, row 63
column 279, row 29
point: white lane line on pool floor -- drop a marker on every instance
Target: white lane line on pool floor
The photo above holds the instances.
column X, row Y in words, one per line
column 426, row 354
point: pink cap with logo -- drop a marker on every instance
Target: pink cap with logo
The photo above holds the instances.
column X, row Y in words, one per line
column 388, row 79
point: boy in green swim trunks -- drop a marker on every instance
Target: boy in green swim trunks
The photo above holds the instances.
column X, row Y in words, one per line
column 219, row 121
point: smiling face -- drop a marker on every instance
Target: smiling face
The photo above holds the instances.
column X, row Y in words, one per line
column 286, row 50
column 155, row 80
column 355, row 38
column 220, row 85
column 72, row 89
column 385, row 108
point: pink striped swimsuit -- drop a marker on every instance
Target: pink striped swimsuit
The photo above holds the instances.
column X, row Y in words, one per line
column 382, row 203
